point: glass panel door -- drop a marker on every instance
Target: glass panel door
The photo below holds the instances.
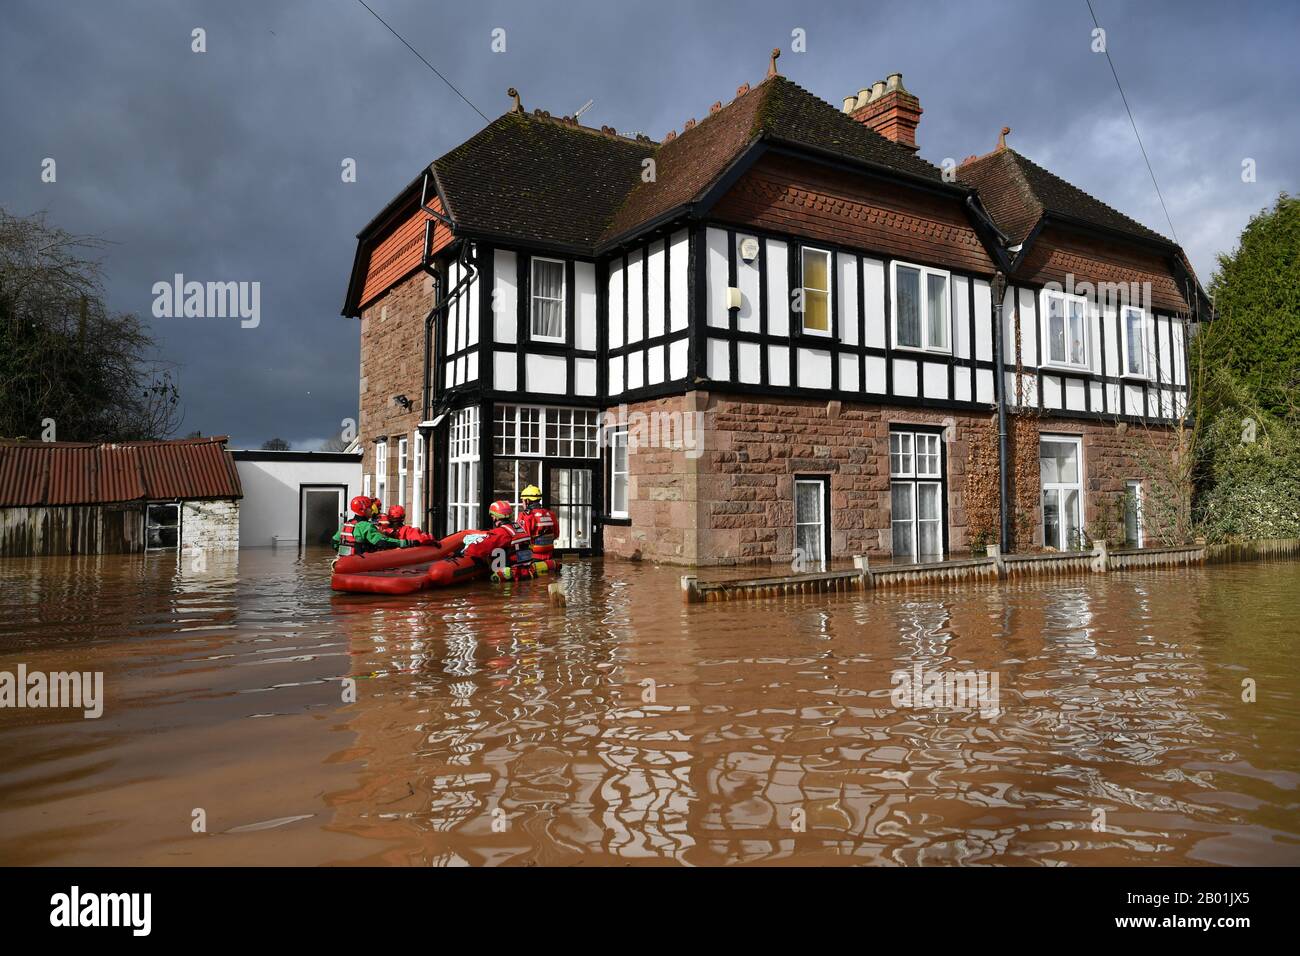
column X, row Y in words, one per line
column 568, row 494
column 1060, row 472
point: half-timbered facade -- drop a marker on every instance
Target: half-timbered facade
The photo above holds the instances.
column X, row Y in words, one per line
column 774, row 334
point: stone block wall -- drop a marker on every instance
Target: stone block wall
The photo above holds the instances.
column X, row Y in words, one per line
column 734, row 503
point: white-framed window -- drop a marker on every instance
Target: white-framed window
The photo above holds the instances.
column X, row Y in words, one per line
column 365, row 485
column 815, row 280
column 1060, row 465
column 162, row 526
column 1134, row 535
column 547, row 300
column 916, row 495
column 545, row 431
column 1065, row 330
column 921, row 318
column 402, row 448
column 381, row 472
column 618, row 472
column 462, row 470
column 810, row 519
column 1135, row 336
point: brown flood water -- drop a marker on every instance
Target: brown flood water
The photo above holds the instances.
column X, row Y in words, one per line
column 491, row 728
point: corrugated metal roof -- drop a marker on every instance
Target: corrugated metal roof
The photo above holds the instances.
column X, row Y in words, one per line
column 82, row 473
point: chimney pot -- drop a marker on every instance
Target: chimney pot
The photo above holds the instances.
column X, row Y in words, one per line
column 877, row 89
column 850, row 103
column 895, row 81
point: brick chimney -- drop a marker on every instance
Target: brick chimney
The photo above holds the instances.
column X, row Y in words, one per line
column 887, row 107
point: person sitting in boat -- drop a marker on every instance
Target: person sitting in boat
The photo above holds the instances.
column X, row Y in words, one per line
column 398, row 528
column 541, row 524
column 379, row 517
column 507, row 548
column 359, row 535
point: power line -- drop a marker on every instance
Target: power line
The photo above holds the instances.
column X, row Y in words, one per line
column 1106, row 49
column 424, row 61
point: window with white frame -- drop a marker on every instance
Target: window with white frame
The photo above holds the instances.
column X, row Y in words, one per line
column 816, row 283
column 548, row 300
column 1133, row 532
column 916, row 494
column 1060, row 464
column 1065, row 329
column 401, row 472
column 1133, row 328
column 545, row 431
column 462, row 470
column 365, row 485
column 162, row 526
column 920, row 308
column 381, row 472
column 618, row 472
column 810, row 519
column 510, row 476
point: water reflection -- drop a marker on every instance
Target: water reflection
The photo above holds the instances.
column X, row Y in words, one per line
column 491, row 728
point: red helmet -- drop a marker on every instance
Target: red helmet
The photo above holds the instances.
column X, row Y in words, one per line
column 359, row 505
column 396, row 513
column 501, row 510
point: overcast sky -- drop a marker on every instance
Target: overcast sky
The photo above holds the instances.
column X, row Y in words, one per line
column 226, row 165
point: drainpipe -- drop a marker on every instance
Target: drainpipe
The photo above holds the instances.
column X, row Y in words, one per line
column 1000, row 395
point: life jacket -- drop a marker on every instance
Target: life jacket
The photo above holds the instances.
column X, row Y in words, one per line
column 383, row 524
column 544, row 527
column 347, row 543
column 519, row 552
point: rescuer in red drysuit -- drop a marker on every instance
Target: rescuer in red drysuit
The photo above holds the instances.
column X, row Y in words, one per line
column 398, row 527
column 507, row 548
column 540, row 523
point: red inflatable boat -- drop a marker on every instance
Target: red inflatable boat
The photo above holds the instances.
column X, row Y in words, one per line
column 395, row 571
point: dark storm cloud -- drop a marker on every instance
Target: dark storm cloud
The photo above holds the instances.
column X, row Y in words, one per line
column 226, row 165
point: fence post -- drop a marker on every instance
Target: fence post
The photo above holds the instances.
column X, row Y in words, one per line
column 690, row 593
column 1100, row 557
column 862, row 562
column 995, row 552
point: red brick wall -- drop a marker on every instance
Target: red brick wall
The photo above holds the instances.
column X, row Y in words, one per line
column 734, row 504
column 392, row 363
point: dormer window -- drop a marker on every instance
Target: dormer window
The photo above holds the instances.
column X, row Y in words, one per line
column 1065, row 329
column 547, row 300
column 816, row 283
column 920, row 314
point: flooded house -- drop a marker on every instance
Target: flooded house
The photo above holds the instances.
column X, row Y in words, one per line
column 777, row 331
column 87, row 498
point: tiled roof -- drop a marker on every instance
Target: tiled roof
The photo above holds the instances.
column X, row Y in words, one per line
column 539, row 178
column 778, row 111
column 36, row 473
column 1017, row 192
column 549, row 180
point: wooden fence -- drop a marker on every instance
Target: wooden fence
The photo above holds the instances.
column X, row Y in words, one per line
column 992, row 568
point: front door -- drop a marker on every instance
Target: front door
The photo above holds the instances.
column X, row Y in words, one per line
column 320, row 513
column 569, row 495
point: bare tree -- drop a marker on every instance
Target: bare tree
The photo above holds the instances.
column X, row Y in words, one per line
column 66, row 360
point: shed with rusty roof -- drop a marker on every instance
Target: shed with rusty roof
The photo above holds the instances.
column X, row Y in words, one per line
column 86, row 498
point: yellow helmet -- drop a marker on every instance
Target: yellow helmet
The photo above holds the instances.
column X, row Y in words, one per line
column 531, row 493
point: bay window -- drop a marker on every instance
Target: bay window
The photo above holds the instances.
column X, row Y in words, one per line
column 921, row 317
column 462, row 470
